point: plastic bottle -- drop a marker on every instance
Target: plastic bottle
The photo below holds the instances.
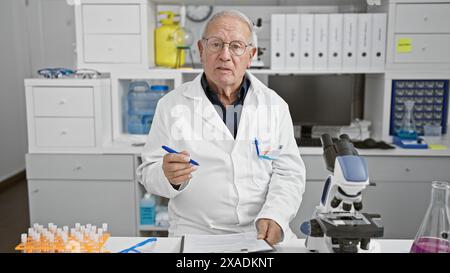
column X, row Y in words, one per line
column 433, row 235
column 165, row 47
column 156, row 93
column 138, row 107
column 142, row 102
column 148, row 209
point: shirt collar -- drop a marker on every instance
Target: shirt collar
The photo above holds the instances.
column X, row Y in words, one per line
column 212, row 95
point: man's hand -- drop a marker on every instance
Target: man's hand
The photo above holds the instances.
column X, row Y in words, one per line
column 268, row 230
column 177, row 168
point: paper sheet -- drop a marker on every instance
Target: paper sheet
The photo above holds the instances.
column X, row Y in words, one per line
column 232, row 243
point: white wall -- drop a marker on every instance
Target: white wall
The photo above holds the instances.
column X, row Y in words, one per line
column 51, row 32
column 14, row 68
column 33, row 34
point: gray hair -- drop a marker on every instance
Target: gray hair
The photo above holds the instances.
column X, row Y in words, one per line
column 232, row 13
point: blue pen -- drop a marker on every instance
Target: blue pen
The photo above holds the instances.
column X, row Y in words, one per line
column 256, row 146
column 133, row 248
column 172, row 151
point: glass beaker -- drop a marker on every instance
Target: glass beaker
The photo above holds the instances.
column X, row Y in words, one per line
column 433, row 235
column 408, row 129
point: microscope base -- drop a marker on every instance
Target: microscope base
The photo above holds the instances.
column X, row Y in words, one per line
column 323, row 245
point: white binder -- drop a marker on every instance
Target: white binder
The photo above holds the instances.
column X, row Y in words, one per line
column 320, row 41
column 349, row 41
column 292, row 41
column 335, row 34
column 306, row 41
column 278, row 41
column 364, row 41
column 378, row 55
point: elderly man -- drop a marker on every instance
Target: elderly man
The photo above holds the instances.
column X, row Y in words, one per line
column 250, row 175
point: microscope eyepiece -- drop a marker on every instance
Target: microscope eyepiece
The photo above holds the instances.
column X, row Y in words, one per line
column 329, row 151
column 326, row 140
column 344, row 146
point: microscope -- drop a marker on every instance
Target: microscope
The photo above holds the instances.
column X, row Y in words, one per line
column 337, row 224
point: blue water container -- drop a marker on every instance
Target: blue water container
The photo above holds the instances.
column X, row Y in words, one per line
column 147, row 210
column 142, row 101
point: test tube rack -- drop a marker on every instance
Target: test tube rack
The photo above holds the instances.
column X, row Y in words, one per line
column 80, row 239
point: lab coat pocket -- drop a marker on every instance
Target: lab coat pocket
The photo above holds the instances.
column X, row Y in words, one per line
column 261, row 168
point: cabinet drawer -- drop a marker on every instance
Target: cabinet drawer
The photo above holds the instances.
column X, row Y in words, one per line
column 63, row 101
column 112, row 48
column 409, row 169
column 389, row 169
column 79, row 166
column 423, row 18
column 426, row 48
column 315, row 167
column 111, row 19
column 65, row 132
column 68, row 202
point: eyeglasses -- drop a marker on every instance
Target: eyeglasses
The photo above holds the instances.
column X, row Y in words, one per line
column 236, row 48
column 53, row 73
column 82, row 73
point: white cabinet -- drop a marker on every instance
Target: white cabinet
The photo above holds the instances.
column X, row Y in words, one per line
column 114, row 35
column 68, row 115
column 66, row 189
column 418, row 35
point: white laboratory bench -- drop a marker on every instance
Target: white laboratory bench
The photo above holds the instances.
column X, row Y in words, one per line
column 172, row 245
column 127, row 148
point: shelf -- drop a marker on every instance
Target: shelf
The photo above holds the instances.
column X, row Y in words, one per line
column 312, row 72
column 261, row 2
column 276, row 71
column 152, row 228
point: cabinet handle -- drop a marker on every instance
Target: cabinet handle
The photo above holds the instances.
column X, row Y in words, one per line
column 424, row 48
column 110, row 49
column 109, row 19
column 62, row 102
column 407, row 170
column 77, row 168
column 64, row 132
column 35, row 191
column 425, row 18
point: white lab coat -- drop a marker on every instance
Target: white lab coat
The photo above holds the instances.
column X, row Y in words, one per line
column 232, row 187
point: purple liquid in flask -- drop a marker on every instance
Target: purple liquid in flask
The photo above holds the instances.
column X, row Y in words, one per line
column 433, row 235
column 430, row 245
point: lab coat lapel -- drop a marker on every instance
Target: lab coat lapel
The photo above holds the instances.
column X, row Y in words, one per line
column 249, row 116
column 205, row 109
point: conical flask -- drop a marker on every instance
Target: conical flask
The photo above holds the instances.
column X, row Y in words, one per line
column 408, row 129
column 433, row 235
